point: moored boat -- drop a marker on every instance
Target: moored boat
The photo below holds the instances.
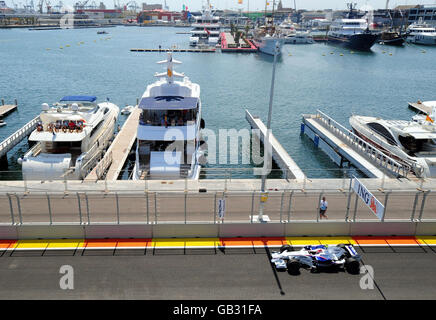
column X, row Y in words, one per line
column 69, row 139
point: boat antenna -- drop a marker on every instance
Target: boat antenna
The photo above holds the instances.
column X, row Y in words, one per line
column 170, row 74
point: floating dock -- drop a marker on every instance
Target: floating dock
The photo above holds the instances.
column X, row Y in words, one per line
column 228, row 44
column 205, row 50
column 279, row 154
column 5, row 109
column 421, row 107
column 342, row 146
column 115, row 157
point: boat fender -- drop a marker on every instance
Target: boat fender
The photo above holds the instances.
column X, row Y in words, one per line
column 202, row 123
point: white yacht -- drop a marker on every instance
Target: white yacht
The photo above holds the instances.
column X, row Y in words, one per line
column 206, row 28
column 410, row 142
column 168, row 138
column 421, row 33
column 267, row 37
column 299, row 37
column 69, row 139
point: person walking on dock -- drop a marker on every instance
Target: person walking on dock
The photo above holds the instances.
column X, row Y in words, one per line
column 323, row 208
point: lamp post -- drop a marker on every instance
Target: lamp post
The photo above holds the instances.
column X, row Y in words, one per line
column 267, row 157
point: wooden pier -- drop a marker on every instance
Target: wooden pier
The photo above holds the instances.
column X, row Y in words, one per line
column 5, row 109
column 279, row 154
column 203, row 50
column 115, row 157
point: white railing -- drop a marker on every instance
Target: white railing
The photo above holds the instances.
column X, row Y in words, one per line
column 362, row 147
column 17, row 136
column 103, row 165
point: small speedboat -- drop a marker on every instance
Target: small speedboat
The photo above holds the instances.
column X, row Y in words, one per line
column 2, row 123
column 127, row 110
column 101, row 32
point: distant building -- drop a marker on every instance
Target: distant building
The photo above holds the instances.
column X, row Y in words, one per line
column 425, row 12
column 107, row 13
column 154, row 16
column 148, row 7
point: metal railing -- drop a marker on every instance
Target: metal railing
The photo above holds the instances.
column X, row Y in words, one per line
column 361, row 146
column 17, row 136
column 287, row 206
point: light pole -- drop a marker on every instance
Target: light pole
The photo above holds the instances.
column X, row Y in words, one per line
column 267, row 157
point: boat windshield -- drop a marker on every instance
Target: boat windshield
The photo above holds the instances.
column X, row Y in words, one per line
column 414, row 146
column 168, row 117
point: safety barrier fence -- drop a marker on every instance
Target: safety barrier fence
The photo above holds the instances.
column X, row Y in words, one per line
column 286, row 206
column 224, row 177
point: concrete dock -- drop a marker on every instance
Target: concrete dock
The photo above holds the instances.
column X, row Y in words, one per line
column 279, row 154
column 340, row 144
column 6, row 109
column 205, row 50
column 115, row 157
column 420, row 107
column 228, row 44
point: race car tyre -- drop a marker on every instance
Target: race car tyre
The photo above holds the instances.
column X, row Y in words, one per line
column 285, row 247
column 352, row 266
column 293, row 267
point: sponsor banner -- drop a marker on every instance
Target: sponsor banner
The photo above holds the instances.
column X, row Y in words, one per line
column 368, row 198
column 221, row 208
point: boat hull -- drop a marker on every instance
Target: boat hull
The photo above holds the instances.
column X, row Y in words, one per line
column 268, row 45
column 361, row 41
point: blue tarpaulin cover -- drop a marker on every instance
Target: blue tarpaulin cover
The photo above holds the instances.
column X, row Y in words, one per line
column 79, row 98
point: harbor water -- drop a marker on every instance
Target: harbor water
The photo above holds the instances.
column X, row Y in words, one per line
column 43, row 66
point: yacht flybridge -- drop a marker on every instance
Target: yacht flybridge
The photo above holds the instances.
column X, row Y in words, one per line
column 168, row 138
column 69, row 139
column 206, row 28
column 411, row 142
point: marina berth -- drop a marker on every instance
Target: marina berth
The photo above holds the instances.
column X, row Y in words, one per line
column 69, row 138
column 168, row 136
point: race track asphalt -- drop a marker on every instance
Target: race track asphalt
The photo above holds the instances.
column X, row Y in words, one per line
column 406, row 272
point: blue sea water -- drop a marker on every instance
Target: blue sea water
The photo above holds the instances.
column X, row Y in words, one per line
column 34, row 69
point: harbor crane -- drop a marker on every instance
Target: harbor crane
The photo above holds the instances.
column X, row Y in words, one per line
column 41, row 5
column 80, row 5
column 132, row 6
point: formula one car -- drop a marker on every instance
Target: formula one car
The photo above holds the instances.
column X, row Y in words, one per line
column 316, row 258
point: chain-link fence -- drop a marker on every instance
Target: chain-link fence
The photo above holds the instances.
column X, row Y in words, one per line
column 203, row 207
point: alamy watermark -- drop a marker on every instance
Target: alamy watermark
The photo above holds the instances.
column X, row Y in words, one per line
column 367, row 280
column 66, row 282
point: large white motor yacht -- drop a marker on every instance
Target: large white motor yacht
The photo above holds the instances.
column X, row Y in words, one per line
column 206, row 28
column 421, row 33
column 69, row 139
column 168, row 138
column 411, row 142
